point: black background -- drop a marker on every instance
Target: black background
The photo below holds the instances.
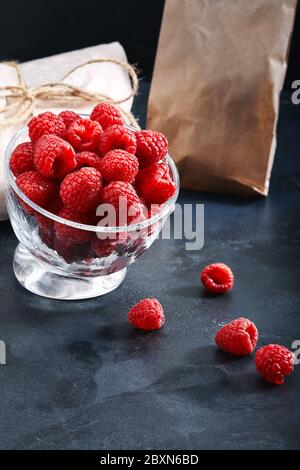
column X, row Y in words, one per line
column 77, row 375
column 38, row 28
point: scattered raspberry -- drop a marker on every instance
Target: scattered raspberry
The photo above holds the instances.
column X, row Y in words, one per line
column 46, row 123
column 81, row 190
column 154, row 183
column 239, row 337
column 217, row 278
column 107, row 115
column 71, row 234
column 119, row 165
column 274, row 362
column 21, row 159
column 68, row 117
column 118, row 191
column 151, row 147
column 37, row 188
column 147, row 315
column 54, row 157
column 88, row 159
column 84, row 134
column 117, row 137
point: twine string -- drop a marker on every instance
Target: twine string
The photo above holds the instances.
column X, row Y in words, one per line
column 22, row 100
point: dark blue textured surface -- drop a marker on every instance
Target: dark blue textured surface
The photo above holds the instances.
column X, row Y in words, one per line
column 78, row 376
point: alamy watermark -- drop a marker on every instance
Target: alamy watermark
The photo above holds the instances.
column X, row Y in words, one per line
column 296, row 93
column 141, row 222
column 2, row 353
column 296, row 350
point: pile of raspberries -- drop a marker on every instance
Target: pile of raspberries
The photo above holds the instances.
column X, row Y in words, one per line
column 72, row 165
column 239, row 337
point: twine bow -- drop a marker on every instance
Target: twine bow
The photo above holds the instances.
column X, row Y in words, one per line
column 21, row 100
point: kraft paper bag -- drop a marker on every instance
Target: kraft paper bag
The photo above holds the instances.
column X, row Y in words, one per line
column 218, row 73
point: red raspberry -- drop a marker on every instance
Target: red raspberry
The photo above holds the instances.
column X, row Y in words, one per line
column 37, row 188
column 239, row 337
column 133, row 214
column 46, row 123
column 152, row 211
column 148, row 315
column 113, row 192
column 136, row 213
column 47, row 236
column 54, row 207
column 84, row 134
column 68, row 117
column 54, row 157
column 88, row 159
column 217, row 278
column 151, row 147
column 154, row 183
column 117, row 137
column 46, row 224
column 274, row 362
column 71, row 250
column 21, row 159
column 119, row 165
column 71, row 234
column 107, row 115
column 81, row 190
column 104, row 248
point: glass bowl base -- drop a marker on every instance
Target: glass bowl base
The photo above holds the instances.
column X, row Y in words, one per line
column 38, row 278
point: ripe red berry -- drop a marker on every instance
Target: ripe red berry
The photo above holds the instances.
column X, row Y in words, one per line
column 151, row 147
column 147, row 315
column 46, row 235
column 46, row 224
column 54, row 207
column 21, row 159
column 239, row 337
column 54, row 157
column 37, row 188
column 117, row 137
column 81, row 190
column 136, row 213
column 71, row 234
column 154, row 183
column 217, row 278
column 119, row 165
column 107, row 246
column 274, row 362
column 71, row 251
column 107, row 115
column 88, row 159
column 84, row 134
column 68, row 117
column 113, row 192
column 46, row 123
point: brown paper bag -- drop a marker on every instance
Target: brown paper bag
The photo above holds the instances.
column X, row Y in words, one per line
column 219, row 70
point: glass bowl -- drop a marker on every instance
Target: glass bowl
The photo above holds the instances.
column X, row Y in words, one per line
column 96, row 266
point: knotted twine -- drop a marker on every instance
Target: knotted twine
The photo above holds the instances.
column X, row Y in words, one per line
column 21, row 100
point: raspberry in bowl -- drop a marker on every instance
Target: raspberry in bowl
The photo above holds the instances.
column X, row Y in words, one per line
column 84, row 213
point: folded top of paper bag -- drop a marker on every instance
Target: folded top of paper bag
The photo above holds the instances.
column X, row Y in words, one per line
column 103, row 78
